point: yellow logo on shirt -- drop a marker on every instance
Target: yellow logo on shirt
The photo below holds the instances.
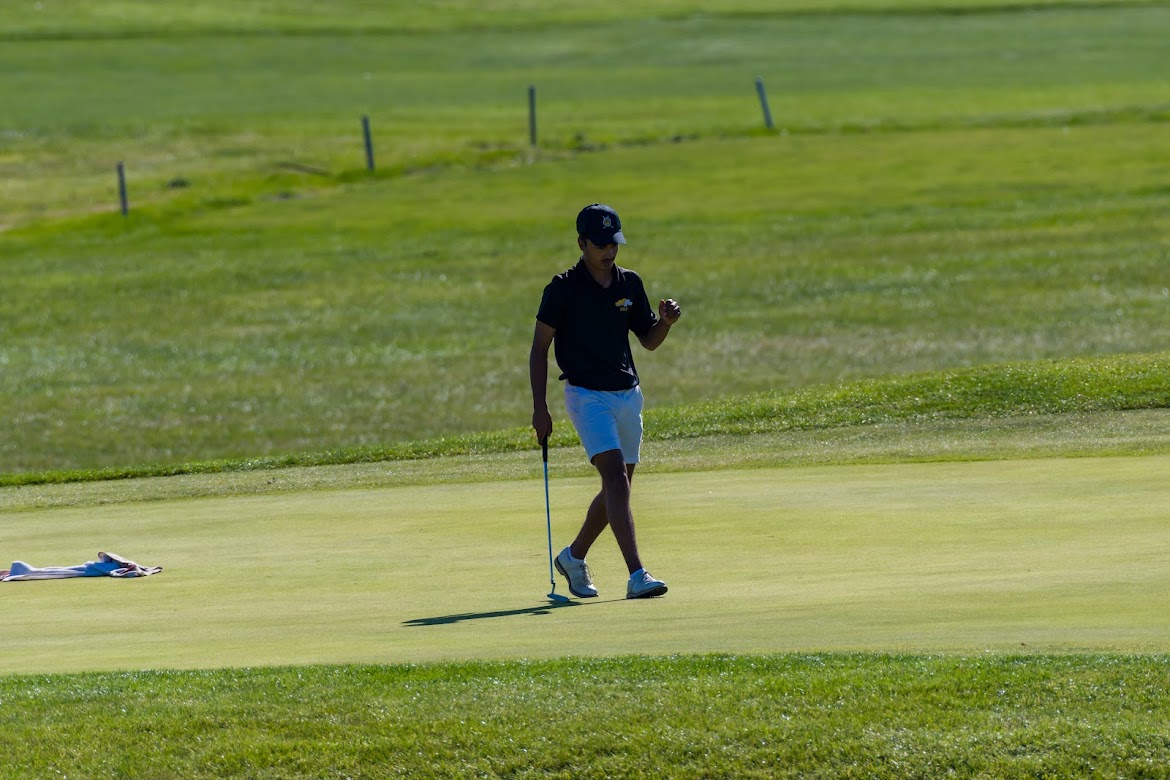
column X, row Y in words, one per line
column 624, row 304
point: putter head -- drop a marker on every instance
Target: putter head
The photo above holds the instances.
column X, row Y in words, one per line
column 557, row 598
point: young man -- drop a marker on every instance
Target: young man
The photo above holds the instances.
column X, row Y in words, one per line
column 588, row 312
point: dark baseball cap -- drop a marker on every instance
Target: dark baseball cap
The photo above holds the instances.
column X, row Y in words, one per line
column 600, row 224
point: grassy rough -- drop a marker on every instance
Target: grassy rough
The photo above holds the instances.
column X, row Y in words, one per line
column 944, row 190
column 221, row 333
column 1019, row 389
column 1049, row 387
column 875, row 716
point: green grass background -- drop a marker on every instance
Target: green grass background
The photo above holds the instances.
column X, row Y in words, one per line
column 221, row 333
column 943, row 190
column 918, row 314
column 288, row 118
column 133, row 18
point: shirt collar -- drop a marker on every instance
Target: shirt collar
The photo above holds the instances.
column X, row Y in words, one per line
column 618, row 276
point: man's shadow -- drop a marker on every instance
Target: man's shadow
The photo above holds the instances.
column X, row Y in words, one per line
column 443, row 620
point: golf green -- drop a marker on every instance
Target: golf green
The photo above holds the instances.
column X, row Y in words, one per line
column 1039, row 555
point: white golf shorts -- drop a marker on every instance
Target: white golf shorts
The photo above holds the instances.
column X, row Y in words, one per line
column 607, row 420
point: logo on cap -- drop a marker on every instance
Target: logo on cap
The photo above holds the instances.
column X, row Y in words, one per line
column 600, row 224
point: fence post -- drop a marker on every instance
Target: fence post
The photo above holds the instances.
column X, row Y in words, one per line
column 369, row 143
column 532, row 115
column 123, row 200
column 764, row 101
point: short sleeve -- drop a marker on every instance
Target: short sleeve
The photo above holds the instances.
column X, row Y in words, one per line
column 552, row 304
column 642, row 317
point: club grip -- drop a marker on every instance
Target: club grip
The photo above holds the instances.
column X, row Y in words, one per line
column 544, row 448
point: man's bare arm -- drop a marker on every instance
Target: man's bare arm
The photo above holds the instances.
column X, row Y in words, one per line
column 668, row 314
column 542, row 339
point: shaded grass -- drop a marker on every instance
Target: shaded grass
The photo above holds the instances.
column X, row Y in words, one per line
column 691, row 716
column 1020, row 389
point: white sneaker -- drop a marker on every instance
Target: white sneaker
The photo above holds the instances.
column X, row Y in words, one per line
column 577, row 573
column 644, row 586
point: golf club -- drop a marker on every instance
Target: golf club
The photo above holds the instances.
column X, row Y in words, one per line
column 552, row 595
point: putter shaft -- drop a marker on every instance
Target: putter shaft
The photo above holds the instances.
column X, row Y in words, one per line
column 548, row 519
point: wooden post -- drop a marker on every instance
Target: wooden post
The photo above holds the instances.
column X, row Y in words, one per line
column 122, row 190
column 369, row 143
column 764, row 102
column 532, row 115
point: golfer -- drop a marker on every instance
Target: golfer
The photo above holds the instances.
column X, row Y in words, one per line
column 587, row 312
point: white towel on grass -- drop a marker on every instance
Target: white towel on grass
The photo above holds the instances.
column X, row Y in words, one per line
column 107, row 565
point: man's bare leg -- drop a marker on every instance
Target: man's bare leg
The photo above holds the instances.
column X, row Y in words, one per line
column 611, row 507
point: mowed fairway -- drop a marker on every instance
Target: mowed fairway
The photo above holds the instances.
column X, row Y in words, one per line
column 1046, row 555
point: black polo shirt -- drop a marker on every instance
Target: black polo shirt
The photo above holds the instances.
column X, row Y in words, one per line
column 593, row 323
